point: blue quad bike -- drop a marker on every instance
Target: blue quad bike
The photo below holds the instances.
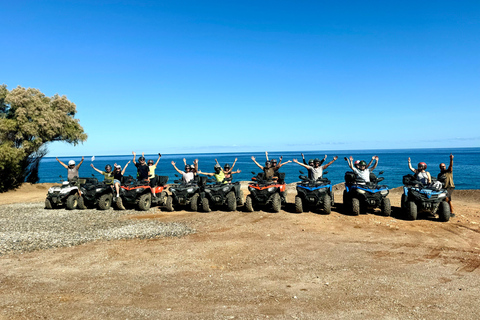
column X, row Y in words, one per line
column 217, row 194
column 314, row 194
column 359, row 197
column 417, row 198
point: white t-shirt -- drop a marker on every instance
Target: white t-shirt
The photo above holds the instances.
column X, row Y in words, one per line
column 187, row 176
column 315, row 173
column 422, row 177
column 364, row 175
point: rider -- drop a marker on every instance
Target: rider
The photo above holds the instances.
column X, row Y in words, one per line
column 316, row 171
column 219, row 173
column 152, row 167
column 142, row 168
column 228, row 170
column 420, row 173
column 362, row 172
column 187, row 175
column 446, row 177
column 107, row 174
column 117, row 176
column 72, row 169
column 268, row 170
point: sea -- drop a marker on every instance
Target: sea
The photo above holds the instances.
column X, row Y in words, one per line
column 393, row 163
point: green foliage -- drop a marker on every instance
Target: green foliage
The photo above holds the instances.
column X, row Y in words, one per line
column 28, row 121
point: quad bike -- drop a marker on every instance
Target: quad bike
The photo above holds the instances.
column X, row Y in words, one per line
column 314, row 193
column 218, row 194
column 418, row 198
column 266, row 192
column 96, row 194
column 65, row 194
column 359, row 196
column 143, row 194
column 184, row 194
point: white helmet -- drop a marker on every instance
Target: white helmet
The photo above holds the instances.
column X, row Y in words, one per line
column 71, row 162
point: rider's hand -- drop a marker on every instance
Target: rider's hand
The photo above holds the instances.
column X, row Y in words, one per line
column 335, row 158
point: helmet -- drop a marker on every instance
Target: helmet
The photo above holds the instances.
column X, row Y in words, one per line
column 268, row 163
column 362, row 163
column 273, row 161
column 71, row 162
column 108, row 167
column 118, row 167
column 150, row 161
column 141, row 159
column 217, row 168
column 310, row 161
column 422, row 165
column 226, row 166
column 316, row 160
column 357, row 162
column 187, row 166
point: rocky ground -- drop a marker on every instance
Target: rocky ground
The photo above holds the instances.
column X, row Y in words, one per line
column 235, row 265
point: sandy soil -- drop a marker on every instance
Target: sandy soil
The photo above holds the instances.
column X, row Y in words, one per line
column 257, row 265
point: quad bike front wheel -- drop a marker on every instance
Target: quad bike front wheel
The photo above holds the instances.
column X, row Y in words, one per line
column 411, row 212
column 194, row 202
column 276, row 202
column 169, row 204
column 298, row 205
column 355, row 206
column 231, row 201
column 206, row 205
column 145, row 202
column 249, row 204
column 72, row 202
column 444, row 212
column 48, row 204
column 81, row 203
column 119, row 203
column 327, row 205
column 105, row 202
column 386, row 207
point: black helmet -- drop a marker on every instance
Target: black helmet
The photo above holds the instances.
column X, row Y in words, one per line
column 150, row 161
column 310, row 161
column 362, row 163
column 316, row 160
column 273, row 161
column 268, row 163
column 141, row 159
column 226, row 166
column 108, row 168
column 187, row 166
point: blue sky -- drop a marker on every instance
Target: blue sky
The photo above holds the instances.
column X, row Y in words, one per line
column 225, row 76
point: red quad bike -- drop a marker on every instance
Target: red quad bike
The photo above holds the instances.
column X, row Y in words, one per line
column 143, row 194
column 266, row 193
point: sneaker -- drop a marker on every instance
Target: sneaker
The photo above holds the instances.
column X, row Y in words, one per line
column 452, row 215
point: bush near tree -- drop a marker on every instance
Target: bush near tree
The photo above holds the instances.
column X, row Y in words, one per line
column 29, row 120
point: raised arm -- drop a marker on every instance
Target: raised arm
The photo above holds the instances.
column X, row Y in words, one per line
column 280, row 159
column 253, row 158
column 370, row 163
column 266, row 155
column 205, row 173
column 99, row 171
column 233, row 172
column 80, row 163
column 350, row 162
column 125, row 168
column 303, row 158
column 450, row 167
column 410, row 165
column 134, row 155
column 282, row 164
column 323, row 160
column 195, row 163
column 233, row 165
column 174, row 166
column 376, row 163
column 299, row 163
column 159, row 156
column 63, row 164
column 334, row 159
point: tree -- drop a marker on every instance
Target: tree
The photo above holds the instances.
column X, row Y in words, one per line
column 29, row 120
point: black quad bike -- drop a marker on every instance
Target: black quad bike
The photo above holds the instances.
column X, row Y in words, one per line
column 143, row 194
column 95, row 194
column 418, row 198
column 359, row 196
column 184, row 194
column 65, row 194
column 314, row 194
column 266, row 193
column 218, row 194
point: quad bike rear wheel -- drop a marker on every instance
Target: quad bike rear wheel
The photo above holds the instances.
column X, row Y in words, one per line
column 386, row 207
column 145, row 202
column 194, row 202
column 276, row 202
column 72, row 202
column 411, row 212
column 169, row 204
column 48, row 204
column 206, row 205
column 249, row 204
column 119, row 203
column 298, row 205
column 327, row 205
column 355, row 206
column 444, row 212
column 105, row 202
column 231, row 201
column 81, row 203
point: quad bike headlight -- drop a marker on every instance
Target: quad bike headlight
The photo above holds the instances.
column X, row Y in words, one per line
column 190, row 190
column 360, row 191
column 139, row 190
column 172, row 189
column 98, row 189
column 442, row 195
column 208, row 190
column 225, row 189
column 271, row 189
column 384, row 192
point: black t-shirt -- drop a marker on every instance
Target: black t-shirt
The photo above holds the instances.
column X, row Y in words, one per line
column 142, row 171
column 117, row 175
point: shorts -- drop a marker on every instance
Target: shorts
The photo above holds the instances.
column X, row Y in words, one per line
column 449, row 192
column 116, row 181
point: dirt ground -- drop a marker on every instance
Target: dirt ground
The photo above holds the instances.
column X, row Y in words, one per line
column 257, row 265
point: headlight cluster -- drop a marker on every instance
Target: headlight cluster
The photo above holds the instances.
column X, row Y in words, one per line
column 384, row 192
column 172, row 189
column 442, row 195
column 271, row 189
column 360, row 191
column 208, row 190
column 98, row 189
column 190, row 190
column 225, row 189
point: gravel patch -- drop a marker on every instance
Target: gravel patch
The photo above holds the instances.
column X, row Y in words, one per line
column 28, row 226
